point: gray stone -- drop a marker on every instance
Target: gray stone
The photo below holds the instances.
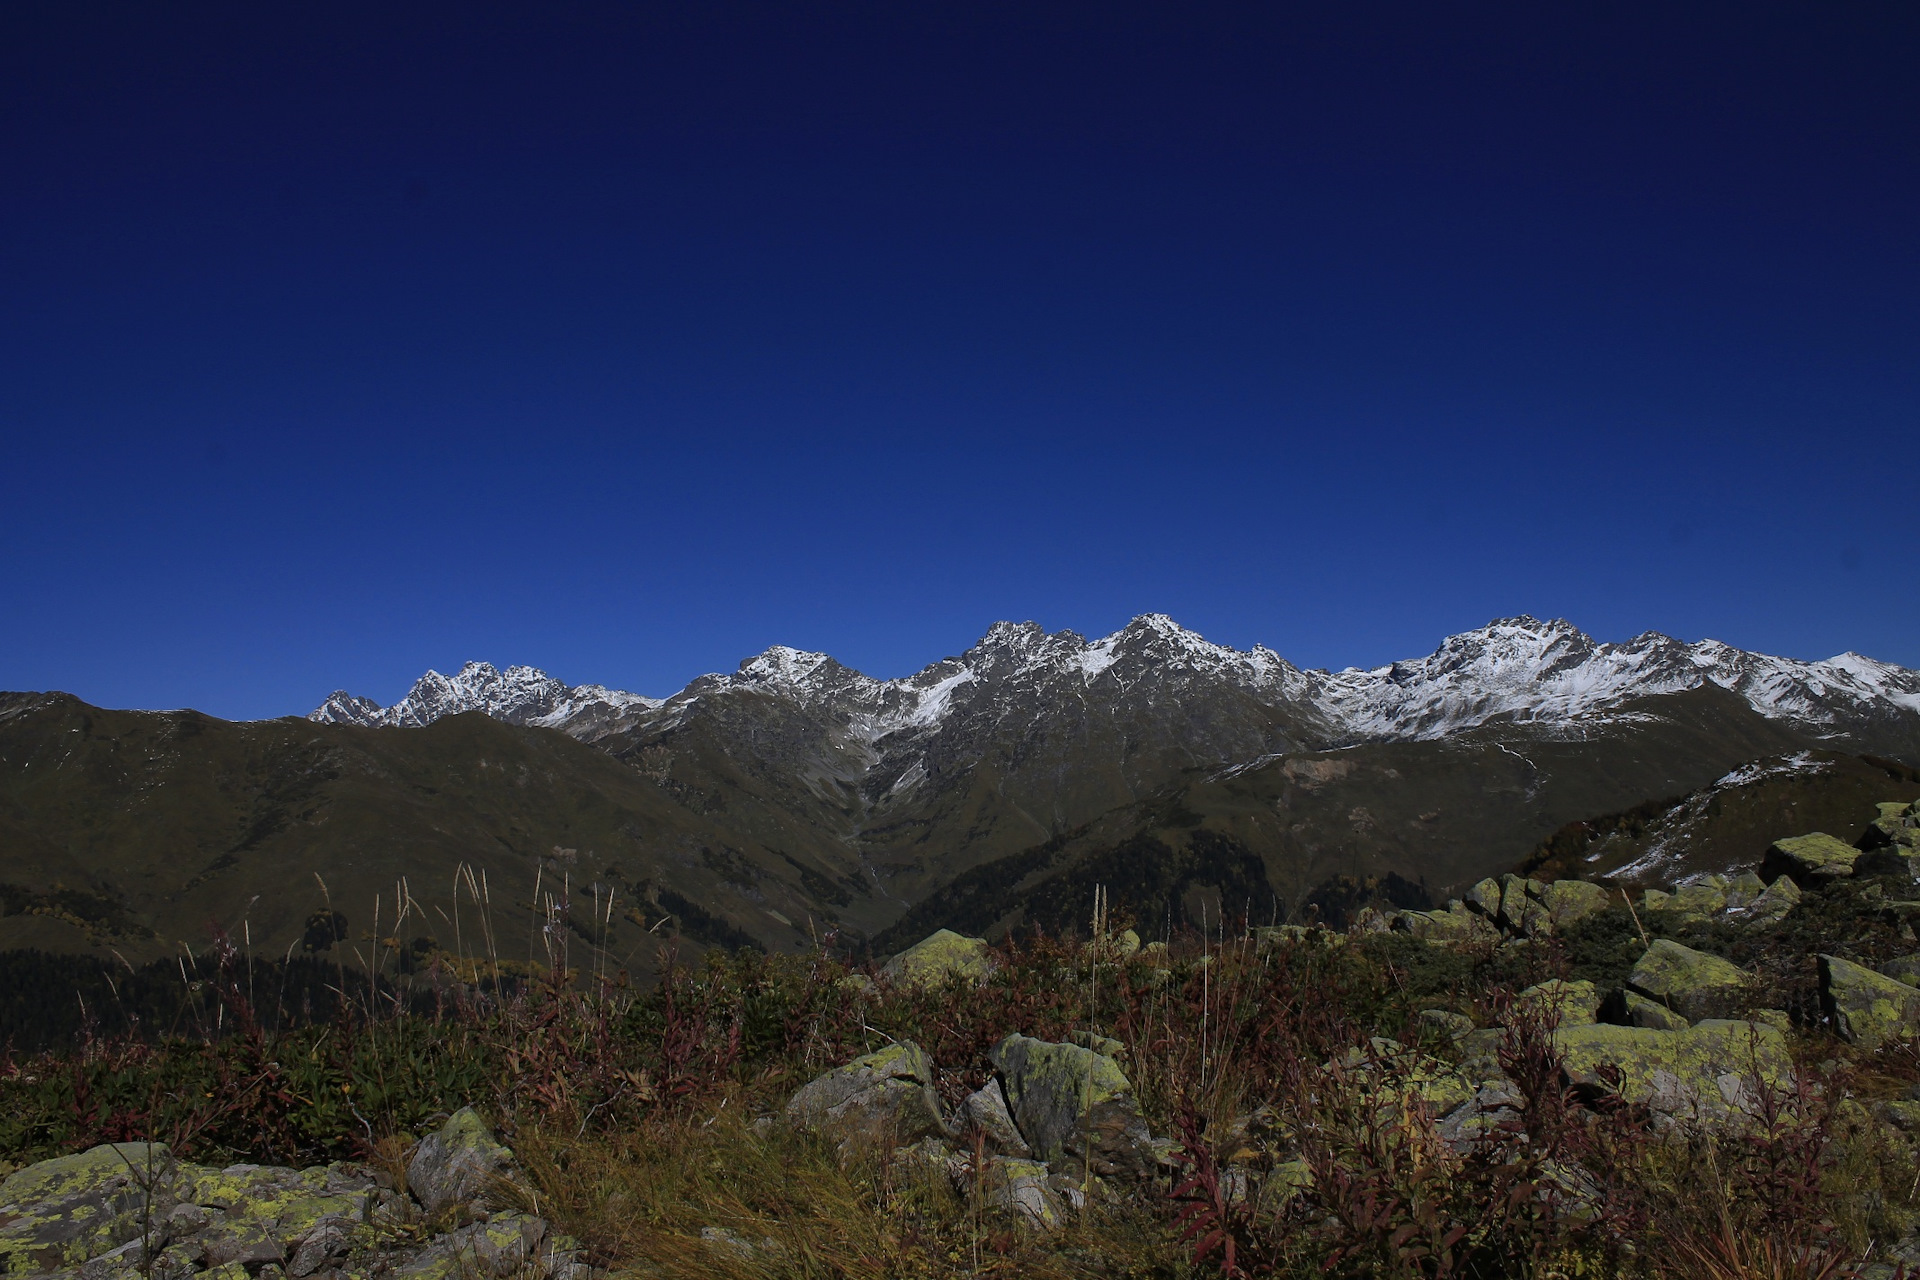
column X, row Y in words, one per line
column 1072, row 1102
column 986, row 1110
column 458, row 1165
column 1494, row 1107
column 1697, row 901
column 885, row 1098
column 1020, row 1188
column 1446, row 1022
column 1903, row 969
column 1520, row 909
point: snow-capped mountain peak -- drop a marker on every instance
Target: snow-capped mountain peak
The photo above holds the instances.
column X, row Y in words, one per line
column 1519, row 669
column 518, row 695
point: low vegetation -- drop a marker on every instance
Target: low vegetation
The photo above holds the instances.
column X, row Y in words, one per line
column 1306, row 1090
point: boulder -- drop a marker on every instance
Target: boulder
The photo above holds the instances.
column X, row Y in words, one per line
column 1896, row 825
column 1744, row 889
column 1494, row 1107
column 62, row 1212
column 883, row 1097
column 1484, row 898
column 1520, row 908
column 1642, row 1012
column 1771, row 907
column 1098, row 1043
column 461, row 1164
column 1707, row 1072
column 1654, row 899
column 941, row 956
column 1699, row 900
column 1692, row 983
column 986, row 1110
column 1446, row 1022
column 1569, row 900
column 1903, row 969
column 1867, row 1008
column 1019, row 1187
column 1572, row 1003
column 1069, row 1101
column 1454, row 924
column 1810, row 859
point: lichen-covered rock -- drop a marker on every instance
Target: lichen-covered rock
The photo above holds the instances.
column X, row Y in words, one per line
column 1691, row 983
column 1019, row 1187
column 1098, row 1043
column 1454, row 924
column 1484, row 898
column 1493, row 1107
column 986, row 1110
column 883, row 1097
column 116, row 1213
column 941, row 956
column 1642, row 1012
column 1809, row 859
column 1571, row 1003
column 1708, row 1072
column 1772, row 906
column 1867, row 1008
column 1072, row 1102
column 62, row 1212
column 458, row 1165
column 1520, row 909
column 1446, row 1022
column 504, row 1245
column 1569, row 900
column 1744, row 889
column 1903, row 969
column 1699, row 900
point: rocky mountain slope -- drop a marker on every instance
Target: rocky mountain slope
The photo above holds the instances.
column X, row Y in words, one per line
column 796, row 795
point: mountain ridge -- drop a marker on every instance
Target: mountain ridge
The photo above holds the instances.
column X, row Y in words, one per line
column 1517, row 668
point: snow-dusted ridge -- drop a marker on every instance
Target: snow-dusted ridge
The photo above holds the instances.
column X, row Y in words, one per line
column 518, row 695
column 1517, row 669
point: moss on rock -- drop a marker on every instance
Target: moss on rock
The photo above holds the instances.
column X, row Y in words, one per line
column 1867, row 1008
column 941, row 956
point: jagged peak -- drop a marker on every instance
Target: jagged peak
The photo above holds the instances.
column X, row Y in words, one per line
column 784, row 664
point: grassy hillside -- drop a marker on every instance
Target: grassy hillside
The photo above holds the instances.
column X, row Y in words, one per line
column 138, row 832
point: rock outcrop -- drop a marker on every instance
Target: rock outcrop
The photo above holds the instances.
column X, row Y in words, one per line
column 131, row 1209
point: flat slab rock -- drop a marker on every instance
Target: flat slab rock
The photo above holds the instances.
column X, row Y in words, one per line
column 129, row 1209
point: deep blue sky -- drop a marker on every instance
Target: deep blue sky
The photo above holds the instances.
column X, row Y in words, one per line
column 627, row 340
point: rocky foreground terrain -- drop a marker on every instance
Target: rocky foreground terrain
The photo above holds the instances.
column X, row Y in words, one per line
column 1716, row 1078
